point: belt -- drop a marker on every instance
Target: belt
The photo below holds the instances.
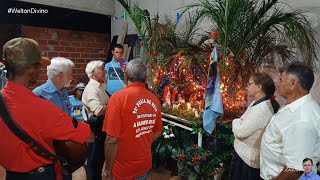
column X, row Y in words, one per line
column 37, row 170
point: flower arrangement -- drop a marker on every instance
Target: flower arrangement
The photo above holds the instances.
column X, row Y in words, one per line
column 191, row 160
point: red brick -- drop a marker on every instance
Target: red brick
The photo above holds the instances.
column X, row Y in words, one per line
column 58, row 48
column 53, row 54
column 69, row 49
column 76, row 44
column 80, row 71
column 95, row 55
column 64, row 54
column 103, row 56
column 80, row 49
column 64, row 43
column 84, row 44
column 52, row 42
column 99, row 46
column 44, row 48
column 85, row 55
column 90, row 50
column 45, row 36
column 83, row 65
column 42, row 42
column 74, row 55
column 90, row 39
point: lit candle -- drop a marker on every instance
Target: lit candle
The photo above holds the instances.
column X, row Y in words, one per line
column 189, row 106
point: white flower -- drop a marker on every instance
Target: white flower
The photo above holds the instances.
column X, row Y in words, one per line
column 166, row 127
column 171, row 135
column 166, row 136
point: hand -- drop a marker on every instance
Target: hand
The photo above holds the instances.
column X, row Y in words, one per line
column 124, row 68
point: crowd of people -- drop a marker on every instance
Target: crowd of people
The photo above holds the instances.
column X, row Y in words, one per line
column 119, row 118
column 113, row 114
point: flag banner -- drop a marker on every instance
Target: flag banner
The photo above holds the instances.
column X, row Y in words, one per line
column 213, row 100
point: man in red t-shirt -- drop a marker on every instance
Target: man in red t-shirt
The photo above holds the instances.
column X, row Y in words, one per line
column 40, row 119
column 132, row 122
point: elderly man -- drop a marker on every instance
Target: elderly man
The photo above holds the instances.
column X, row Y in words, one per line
column 59, row 74
column 39, row 118
column 293, row 132
column 95, row 99
column 132, row 123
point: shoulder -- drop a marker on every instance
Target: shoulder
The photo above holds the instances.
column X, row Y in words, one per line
column 264, row 106
column 71, row 98
column 107, row 65
column 42, row 90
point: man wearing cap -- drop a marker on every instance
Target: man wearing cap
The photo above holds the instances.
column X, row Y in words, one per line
column 40, row 119
column 76, row 103
column 59, row 74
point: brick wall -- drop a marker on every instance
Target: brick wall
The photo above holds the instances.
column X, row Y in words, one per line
column 78, row 46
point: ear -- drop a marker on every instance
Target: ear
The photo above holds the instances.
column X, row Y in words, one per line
column 259, row 87
column 112, row 52
column 293, row 84
column 60, row 75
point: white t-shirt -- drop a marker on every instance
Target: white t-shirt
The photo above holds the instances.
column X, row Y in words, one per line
column 292, row 135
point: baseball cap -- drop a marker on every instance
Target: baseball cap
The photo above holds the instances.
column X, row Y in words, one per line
column 80, row 86
column 23, row 51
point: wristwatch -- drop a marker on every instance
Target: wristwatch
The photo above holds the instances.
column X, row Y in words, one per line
column 105, row 173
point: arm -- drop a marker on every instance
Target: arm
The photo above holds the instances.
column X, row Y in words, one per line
column 288, row 174
column 91, row 138
column 156, row 135
column 93, row 103
column 102, row 111
column 250, row 122
column 297, row 143
column 110, row 153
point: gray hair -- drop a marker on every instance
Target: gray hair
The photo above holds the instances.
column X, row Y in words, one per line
column 136, row 70
column 58, row 65
column 92, row 65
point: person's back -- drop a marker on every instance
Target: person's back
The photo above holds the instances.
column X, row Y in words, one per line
column 138, row 111
column 133, row 121
column 34, row 116
column 40, row 119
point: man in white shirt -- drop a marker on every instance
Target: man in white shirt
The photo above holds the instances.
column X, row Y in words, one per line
column 293, row 132
column 95, row 99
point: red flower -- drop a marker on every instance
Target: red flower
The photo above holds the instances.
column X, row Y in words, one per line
column 181, row 156
column 205, row 154
column 195, row 159
column 214, row 34
column 154, row 53
column 195, row 146
column 273, row 97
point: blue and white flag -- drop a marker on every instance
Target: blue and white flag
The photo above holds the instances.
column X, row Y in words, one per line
column 213, row 100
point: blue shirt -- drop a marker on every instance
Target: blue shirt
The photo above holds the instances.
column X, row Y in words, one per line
column 76, row 109
column 49, row 92
column 310, row 176
column 114, row 83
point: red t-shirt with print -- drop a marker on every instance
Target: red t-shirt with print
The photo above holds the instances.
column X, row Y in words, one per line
column 133, row 114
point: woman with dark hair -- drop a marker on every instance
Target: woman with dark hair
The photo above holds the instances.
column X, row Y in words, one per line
column 249, row 128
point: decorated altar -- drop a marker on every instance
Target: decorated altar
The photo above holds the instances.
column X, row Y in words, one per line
column 189, row 66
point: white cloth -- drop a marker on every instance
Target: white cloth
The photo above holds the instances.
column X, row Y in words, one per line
column 248, row 131
column 94, row 97
column 291, row 136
